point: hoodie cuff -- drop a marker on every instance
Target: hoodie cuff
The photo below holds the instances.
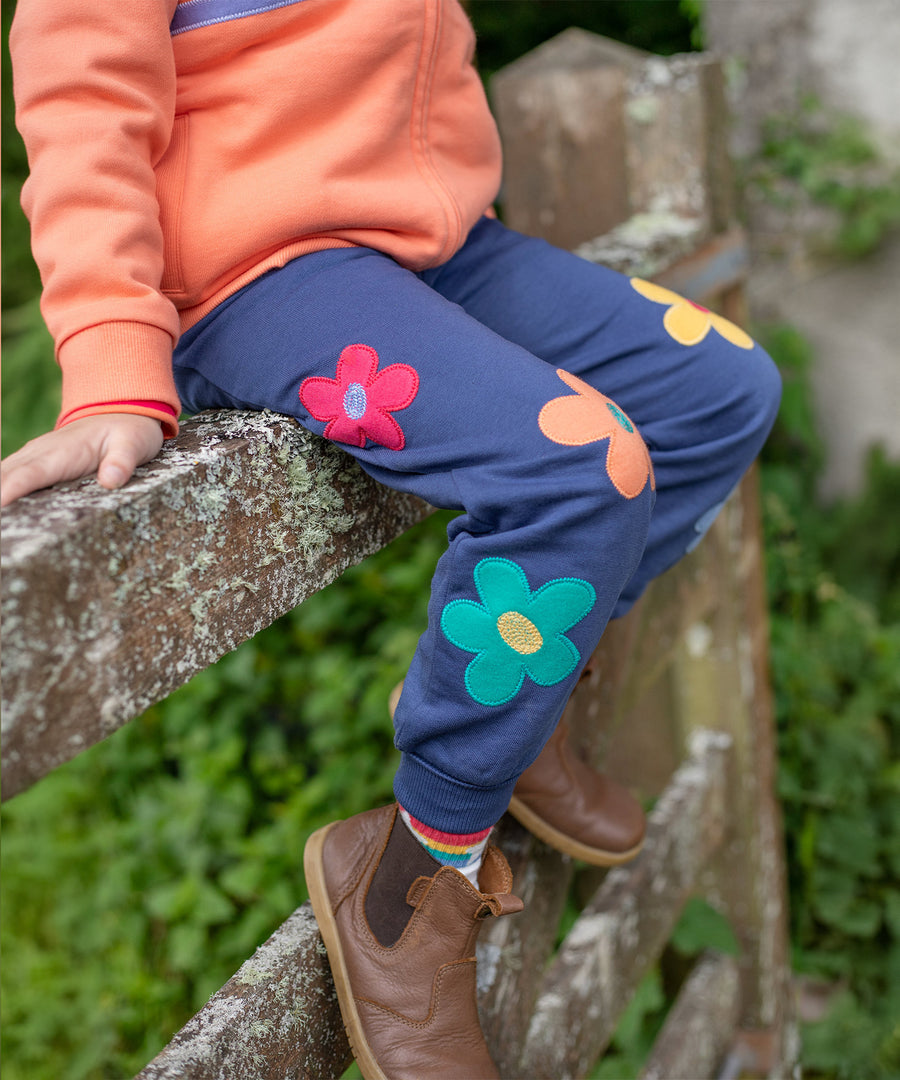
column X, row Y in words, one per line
column 119, row 367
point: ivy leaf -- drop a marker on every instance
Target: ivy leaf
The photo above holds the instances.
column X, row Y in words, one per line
column 702, row 927
column 841, row 909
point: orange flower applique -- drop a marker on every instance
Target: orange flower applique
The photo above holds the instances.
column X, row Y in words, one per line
column 588, row 417
column 688, row 322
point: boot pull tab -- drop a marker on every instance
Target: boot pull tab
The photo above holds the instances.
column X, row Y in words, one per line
column 417, row 890
column 495, row 877
column 500, row 904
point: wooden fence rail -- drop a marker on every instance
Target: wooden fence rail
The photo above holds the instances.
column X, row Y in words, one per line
column 113, row 599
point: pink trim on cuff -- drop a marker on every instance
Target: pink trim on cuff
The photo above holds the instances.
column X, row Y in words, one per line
column 159, row 406
column 136, row 406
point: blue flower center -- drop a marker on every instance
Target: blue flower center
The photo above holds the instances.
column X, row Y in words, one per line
column 621, row 419
column 355, row 403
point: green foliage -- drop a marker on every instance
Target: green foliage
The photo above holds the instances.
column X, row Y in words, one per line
column 854, row 1043
column 20, row 277
column 701, row 927
column 817, row 157
column 508, row 28
column 640, row 1023
column 137, row 878
column 31, row 385
column 861, row 540
column 835, row 655
column 692, row 10
column 31, row 377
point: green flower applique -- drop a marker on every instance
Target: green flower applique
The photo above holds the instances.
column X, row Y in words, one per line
column 514, row 631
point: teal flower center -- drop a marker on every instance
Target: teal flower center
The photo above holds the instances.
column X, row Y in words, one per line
column 621, row 418
column 355, row 402
column 519, row 633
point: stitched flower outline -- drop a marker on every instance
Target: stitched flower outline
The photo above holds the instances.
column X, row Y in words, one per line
column 589, row 417
column 516, row 632
column 358, row 403
column 689, row 323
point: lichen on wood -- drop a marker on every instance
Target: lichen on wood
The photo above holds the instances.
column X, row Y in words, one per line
column 645, row 244
column 112, row 599
column 277, row 1018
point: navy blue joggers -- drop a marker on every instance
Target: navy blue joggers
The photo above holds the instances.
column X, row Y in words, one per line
column 586, row 425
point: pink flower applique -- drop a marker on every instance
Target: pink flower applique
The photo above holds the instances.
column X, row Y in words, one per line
column 358, row 403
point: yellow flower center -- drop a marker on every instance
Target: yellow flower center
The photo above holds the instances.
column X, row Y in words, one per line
column 519, row 633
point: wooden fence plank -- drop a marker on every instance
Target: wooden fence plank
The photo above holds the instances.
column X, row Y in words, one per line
column 276, row 1019
column 512, row 953
column 723, row 666
column 560, row 110
column 623, row 929
column 111, row 600
column 700, row 1025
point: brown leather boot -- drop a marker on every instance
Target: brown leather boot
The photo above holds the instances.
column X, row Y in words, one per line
column 405, row 980
column 571, row 806
column 575, row 809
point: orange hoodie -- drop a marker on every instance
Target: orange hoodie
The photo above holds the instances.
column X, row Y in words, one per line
column 178, row 151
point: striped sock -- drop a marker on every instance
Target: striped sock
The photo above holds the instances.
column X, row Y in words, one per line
column 462, row 851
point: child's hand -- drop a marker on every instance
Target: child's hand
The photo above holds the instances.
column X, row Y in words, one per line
column 113, row 444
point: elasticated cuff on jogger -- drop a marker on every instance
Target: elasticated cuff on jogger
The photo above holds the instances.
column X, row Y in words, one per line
column 433, row 796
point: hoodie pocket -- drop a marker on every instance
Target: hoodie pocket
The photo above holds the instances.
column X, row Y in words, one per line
column 170, row 178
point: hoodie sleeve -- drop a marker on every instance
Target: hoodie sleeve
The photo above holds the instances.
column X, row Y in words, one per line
column 95, row 102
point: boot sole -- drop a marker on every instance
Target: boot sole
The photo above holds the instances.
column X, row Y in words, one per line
column 321, row 904
column 561, row 842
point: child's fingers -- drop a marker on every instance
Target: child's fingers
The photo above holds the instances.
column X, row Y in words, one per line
column 113, row 474
column 126, row 447
column 17, row 480
column 116, row 443
column 40, row 463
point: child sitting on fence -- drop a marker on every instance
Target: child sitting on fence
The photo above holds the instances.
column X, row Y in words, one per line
column 285, row 205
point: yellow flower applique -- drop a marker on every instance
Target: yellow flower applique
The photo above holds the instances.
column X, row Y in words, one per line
column 689, row 323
